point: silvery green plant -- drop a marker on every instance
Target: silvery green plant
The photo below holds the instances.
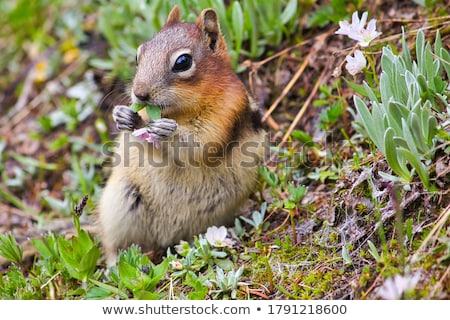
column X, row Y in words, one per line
column 227, row 283
column 257, row 219
column 402, row 122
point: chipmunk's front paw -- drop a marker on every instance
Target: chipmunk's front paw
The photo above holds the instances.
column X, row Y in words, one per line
column 157, row 131
column 126, row 119
column 162, row 129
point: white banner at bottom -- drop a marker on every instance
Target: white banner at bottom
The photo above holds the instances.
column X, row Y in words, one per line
column 221, row 309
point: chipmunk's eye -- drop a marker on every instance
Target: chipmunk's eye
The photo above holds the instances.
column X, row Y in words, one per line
column 183, row 63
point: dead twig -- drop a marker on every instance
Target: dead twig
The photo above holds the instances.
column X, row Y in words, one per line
column 374, row 283
column 438, row 225
column 303, row 109
column 288, row 86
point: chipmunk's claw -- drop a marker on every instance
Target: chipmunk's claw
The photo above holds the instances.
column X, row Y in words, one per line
column 126, row 119
column 162, row 129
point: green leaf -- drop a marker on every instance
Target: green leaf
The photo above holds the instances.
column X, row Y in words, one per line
column 424, row 121
column 388, row 66
column 366, row 118
column 47, row 246
column 88, row 262
column 193, row 281
column 224, row 264
column 407, row 135
column 83, row 242
column 409, row 228
column 373, row 251
column 72, row 265
column 422, row 82
column 10, row 249
column 370, row 93
column 320, row 17
column 406, row 52
column 252, row 27
column 238, row 25
column 387, row 89
column 432, row 125
column 420, row 168
column 288, row 204
column 289, row 12
column 41, row 247
column 218, row 254
column 445, row 56
column 296, row 193
column 136, row 107
column 249, row 221
column 400, row 142
column 105, row 288
column 380, row 123
column 420, row 52
column 153, row 112
column 303, row 137
column 269, row 176
column 392, row 157
column 390, row 177
column 396, row 112
column 420, row 141
column 126, row 271
column 438, row 43
column 147, row 295
column 157, row 273
column 429, row 67
column 258, row 217
column 346, row 256
column 97, row 293
column 438, row 49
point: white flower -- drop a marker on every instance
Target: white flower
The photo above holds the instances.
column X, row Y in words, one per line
column 393, row 288
column 355, row 64
column 356, row 30
column 356, row 26
column 217, row 237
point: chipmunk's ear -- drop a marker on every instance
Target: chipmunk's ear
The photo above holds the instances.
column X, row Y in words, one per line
column 174, row 16
column 208, row 23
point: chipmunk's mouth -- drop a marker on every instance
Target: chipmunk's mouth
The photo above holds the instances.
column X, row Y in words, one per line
column 166, row 101
column 154, row 102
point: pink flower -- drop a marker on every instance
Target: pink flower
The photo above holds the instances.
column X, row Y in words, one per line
column 176, row 265
column 145, row 134
column 355, row 64
column 356, row 30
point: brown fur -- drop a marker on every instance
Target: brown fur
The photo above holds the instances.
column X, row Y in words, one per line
column 204, row 182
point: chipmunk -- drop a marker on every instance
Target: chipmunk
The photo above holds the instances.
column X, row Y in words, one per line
column 211, row 142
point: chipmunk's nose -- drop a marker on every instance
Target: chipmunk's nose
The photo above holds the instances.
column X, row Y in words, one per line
column 141, row 95
column 141, row 91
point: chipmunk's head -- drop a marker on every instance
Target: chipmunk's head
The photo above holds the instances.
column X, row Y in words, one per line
column 182, row 64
